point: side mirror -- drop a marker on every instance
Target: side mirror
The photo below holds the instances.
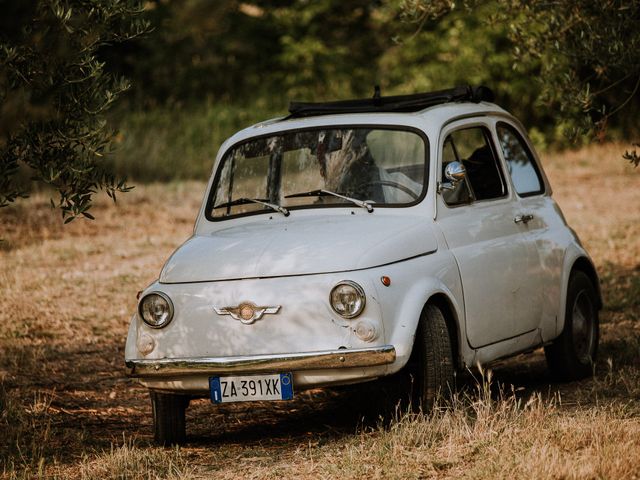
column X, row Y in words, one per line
column 455, row 173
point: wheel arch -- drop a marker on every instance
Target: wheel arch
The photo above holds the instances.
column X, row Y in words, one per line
column 412, row 307
column 585, row 265
column 444, row 303
column 576, row 260
column 451, row 317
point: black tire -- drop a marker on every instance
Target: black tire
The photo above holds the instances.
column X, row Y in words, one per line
column 169, row 425
column 572, row 355
column 434, row 372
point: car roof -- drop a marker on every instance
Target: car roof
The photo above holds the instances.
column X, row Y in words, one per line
column 426, row 111
column 435, row 117
column 395, row 103
column 448, row 112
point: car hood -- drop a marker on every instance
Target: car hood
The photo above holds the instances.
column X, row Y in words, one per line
column 302, row 246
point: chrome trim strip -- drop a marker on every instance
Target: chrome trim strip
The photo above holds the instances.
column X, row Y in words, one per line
column 344, row 358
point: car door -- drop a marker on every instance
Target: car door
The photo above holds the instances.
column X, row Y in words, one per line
column 477, row 219
column 537, row 213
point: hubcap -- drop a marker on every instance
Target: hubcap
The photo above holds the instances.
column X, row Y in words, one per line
column 583, row 327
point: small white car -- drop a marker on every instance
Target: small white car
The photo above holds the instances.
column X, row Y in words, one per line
column 351, row 240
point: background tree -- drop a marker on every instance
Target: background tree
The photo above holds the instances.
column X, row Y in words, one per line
column 53, row 93
column 207, row 68
column 462, row 48
column 588, row 52
column 230, row 50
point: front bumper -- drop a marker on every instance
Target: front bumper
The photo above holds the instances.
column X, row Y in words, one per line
column 291, row 362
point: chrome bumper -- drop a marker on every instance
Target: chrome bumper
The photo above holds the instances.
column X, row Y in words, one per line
column 169, row 367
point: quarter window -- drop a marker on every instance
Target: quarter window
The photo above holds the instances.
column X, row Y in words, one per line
column 520, row 162
column 472, row 147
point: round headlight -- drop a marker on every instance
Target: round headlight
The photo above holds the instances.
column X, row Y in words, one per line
column 156, row 309
column 347, row 299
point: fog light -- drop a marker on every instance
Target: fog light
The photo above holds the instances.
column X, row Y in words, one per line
column 146, row 344
column 366, row 331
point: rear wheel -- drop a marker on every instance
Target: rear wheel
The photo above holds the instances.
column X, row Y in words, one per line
column 169, row 425
column 572, row 355
column 434, row 373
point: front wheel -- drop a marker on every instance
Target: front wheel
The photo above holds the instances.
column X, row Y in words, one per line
column 572, row 355
column 434, row 373
column 169, row 424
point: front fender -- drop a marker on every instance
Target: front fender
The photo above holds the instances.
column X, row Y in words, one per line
column 130, row 350
column 413, row 283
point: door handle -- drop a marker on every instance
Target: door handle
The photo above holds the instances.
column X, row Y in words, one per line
column 524, row 218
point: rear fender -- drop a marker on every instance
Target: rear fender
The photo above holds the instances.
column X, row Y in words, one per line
column 575, row 258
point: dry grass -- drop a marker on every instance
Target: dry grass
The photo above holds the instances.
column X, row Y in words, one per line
column 484, row 438
column 66, row 410
column 133, row 462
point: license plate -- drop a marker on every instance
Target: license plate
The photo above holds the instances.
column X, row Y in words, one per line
column 251, row 388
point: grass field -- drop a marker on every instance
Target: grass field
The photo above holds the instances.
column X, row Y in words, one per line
column 67, row 411
column 178, row 144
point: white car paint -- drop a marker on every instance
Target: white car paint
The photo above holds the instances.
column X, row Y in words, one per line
column 504, row 283
column 276, row 246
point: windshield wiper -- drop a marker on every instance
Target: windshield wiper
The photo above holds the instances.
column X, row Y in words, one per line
column 321, row 192
column 245, row 200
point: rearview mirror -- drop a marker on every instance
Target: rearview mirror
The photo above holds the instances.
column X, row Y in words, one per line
column 455, row 173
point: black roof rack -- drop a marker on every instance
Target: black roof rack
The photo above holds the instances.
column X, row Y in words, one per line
column 398, row 103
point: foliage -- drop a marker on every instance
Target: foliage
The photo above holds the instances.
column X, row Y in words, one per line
column 197, row 49
column 165, row 144
column 53, row 93
column 206, row 69
column 330, row 48
column 632, row 155
column 269, row 49
column 588, row 52
column 459, row 49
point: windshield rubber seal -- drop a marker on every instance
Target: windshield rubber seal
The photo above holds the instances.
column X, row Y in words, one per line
column 401, row 128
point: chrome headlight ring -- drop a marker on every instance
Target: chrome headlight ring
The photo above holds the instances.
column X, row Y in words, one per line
column 148, row 310
column 343, row 305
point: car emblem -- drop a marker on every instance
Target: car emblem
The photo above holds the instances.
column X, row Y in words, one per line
column 247, row 312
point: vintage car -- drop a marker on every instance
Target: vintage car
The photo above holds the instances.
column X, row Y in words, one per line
column 351, row 240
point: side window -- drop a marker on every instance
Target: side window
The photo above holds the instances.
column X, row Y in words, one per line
column 472, row 147
column 520, row 162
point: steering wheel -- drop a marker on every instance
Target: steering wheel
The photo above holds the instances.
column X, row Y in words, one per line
column 399, row 186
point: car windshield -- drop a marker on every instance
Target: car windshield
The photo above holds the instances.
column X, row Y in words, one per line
column 381, row 166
